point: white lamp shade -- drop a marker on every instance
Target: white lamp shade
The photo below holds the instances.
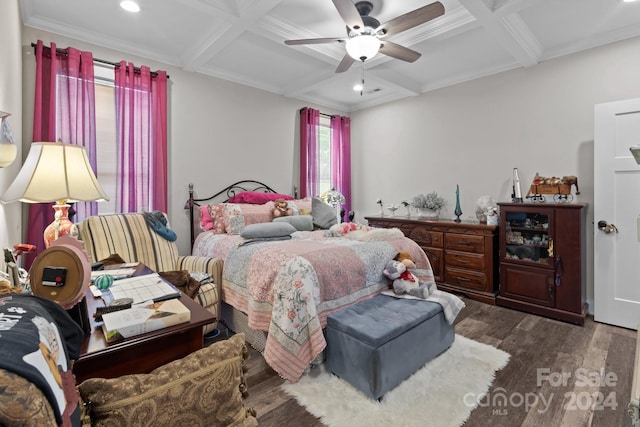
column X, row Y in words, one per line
column 363, row 47
column 54, row 172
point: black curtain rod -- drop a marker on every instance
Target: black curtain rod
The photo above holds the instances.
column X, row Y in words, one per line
column 325, row 114
column 102, row 61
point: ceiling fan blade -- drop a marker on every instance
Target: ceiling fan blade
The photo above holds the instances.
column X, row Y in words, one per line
column 399, row 52
column 316, row 41
column 345, row 64
column 349, row 14
column 411, row 19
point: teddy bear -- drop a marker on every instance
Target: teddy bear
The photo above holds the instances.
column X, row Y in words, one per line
column 282, row 208
column 404, row 281
column 406, row 258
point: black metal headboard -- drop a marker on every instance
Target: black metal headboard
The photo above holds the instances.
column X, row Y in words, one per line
column 221, row 197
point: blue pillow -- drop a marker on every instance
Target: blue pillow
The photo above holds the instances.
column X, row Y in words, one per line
column 300, row 222
column 266, row 230
column 324, row 215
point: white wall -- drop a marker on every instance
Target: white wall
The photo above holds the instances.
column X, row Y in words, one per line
column 11, row 102
column 473, row 134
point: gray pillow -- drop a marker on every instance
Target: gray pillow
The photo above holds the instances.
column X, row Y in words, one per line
column 324, row 215
column 267, row 229
column 300, row 222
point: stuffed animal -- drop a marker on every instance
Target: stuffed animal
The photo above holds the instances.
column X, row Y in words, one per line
column 406, row 258
column 404, row 281
column 282, row 208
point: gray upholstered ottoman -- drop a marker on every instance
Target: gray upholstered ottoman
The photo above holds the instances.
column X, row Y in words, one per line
column 378, row 343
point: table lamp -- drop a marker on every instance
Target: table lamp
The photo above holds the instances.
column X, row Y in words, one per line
column 8, row 147
column 335, row 199
column 55, row 172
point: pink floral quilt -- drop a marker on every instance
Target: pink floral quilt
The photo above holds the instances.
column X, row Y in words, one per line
column 289, row 287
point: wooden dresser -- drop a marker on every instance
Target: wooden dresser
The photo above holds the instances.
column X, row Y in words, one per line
column 463, row 255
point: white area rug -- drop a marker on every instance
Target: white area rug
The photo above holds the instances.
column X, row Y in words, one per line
column 442, row 393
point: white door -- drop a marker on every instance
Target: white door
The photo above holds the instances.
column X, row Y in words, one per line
column 617, row 203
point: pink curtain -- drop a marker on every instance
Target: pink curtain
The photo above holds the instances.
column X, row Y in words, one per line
column 141, row 133
column 76, row 122
column 64, row 108
column 309, row 126
column 341, row 157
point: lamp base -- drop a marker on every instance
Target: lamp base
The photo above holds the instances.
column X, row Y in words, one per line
column 60, row 226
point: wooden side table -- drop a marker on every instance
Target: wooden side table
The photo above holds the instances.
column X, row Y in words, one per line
column 142, row 353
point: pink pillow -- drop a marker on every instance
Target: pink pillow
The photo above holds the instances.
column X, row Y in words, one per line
column 206, row 222
column 257, row 197
column 236, row 216
column 217, row 216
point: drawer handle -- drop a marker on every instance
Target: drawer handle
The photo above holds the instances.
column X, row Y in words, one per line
column 464, row 279
column 463, row 261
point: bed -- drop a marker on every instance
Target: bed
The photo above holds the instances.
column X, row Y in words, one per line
column 286, row 288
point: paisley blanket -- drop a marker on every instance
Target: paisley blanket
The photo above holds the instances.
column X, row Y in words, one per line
column 289, row 287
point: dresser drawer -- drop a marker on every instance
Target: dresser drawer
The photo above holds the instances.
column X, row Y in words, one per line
column 465, row 260
column 464, row 243
column 465, row 278
column 425, row 237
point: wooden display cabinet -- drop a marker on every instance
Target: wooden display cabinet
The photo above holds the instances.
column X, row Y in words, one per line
column 542, row 259
column 463, row 255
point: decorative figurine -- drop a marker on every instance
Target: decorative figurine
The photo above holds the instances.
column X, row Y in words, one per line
column 406, row 205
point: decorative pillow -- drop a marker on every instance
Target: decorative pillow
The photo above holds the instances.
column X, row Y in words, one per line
column 301, row 206
column 267, row 230
column 324, row 215
column 206, row 222
column 237, row 216
column 257, row 197
column 300, row 222
column 204, row 388
column 217, row 217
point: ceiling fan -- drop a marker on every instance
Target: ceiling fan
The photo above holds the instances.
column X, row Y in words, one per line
column 365, row 34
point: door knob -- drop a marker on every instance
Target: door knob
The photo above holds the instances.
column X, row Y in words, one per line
column 607, row 228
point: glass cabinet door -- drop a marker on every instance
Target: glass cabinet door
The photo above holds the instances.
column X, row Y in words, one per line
column 527, row 237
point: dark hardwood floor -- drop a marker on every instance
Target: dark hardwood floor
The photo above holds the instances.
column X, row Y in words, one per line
column 556, row 372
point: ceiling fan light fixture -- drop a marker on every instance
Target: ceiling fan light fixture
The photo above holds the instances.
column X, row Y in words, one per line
column 363, row 47
column 130, row 6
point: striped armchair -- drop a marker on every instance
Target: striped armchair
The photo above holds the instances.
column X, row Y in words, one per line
column 129, row 236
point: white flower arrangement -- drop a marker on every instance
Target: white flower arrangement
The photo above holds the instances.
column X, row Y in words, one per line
column 429, row 201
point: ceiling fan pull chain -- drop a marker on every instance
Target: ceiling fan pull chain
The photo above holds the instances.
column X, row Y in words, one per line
column 362, row 78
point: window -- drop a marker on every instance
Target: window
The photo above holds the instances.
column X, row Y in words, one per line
column 106, row 143
column 324, row 155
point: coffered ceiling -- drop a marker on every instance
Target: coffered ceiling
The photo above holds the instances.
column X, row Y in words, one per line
column 243, row 40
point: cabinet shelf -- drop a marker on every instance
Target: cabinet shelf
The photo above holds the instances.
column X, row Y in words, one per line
column 529, row 245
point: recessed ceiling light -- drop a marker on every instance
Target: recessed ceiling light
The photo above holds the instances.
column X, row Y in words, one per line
column 130, row 6
column 358, row 86
column 629, row 1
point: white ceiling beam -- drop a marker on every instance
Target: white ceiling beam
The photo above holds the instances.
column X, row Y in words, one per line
column 509, row 31
column 221, row 39
column 507, row 7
